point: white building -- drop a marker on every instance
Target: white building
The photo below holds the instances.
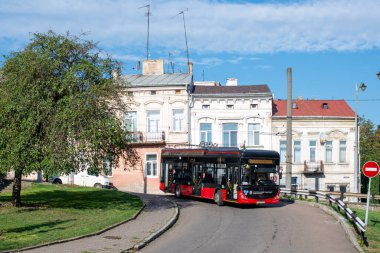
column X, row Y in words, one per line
column 323, row 143
column 169, row 110
column 231, row 115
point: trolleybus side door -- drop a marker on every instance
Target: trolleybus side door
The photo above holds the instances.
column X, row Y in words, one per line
column 168, row 176
column 232, row 182
column 197, row 179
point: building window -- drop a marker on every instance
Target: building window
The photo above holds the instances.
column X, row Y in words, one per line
column 130, row 121
column 153, row 92
column 253, row 106
column 282, row 151
column 343, row 188
column 130, row 93
column 312, row 150
column 107, row 165
column 325, row 106
column 206, row 132
column 328, row 147
column 177, row 92
column 331, row 187
column 153, row 121
column 205, row 107
column 297, row 151
column 178, row 120
column 151, row 166
column 230, row 134
column 253, row 134
column 230, row 106
column 294, row 181
column 342, row 151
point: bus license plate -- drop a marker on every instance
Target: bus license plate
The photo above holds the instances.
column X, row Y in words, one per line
column 260, row 202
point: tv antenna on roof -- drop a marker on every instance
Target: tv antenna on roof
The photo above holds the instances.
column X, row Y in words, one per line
column 147, row 38
column 171, row 62
column 184, row 27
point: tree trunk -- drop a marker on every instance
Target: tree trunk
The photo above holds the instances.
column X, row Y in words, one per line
column 16, row 192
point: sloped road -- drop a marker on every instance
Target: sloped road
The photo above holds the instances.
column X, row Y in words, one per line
column 287, row 227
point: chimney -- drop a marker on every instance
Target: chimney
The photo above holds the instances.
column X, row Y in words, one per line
column 153, row 67
column 190, row 68
column 232, row 82
column 115, row 74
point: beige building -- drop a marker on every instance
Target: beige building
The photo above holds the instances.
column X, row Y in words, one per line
column 323, row 143
column 170, row 110
column 157, row 117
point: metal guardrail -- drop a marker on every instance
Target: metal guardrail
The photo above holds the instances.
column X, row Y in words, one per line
column 360, row 226
column 356, row 195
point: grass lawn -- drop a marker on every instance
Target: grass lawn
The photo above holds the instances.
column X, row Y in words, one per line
column 373, row 229
column 55, row 212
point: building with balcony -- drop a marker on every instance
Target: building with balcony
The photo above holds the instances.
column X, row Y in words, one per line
column 157, row 117
column 323, row 143
column 169, row 110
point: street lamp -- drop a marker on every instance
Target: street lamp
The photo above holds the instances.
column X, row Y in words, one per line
column 378, row 74
column 362, row 86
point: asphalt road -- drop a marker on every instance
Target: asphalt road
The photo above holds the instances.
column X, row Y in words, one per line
column 287, row 227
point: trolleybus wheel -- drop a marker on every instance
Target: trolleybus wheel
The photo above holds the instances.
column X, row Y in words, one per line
column 218, row 198
column 177, row 191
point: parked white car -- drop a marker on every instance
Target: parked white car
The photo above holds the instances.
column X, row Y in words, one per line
column 84, row 179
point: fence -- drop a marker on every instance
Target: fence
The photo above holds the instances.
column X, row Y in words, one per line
column 360, row 226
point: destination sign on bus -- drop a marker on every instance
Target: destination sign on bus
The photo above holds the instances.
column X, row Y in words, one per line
column 259, row 161
column 183, row 153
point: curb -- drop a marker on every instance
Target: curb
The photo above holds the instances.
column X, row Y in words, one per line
column 79, row 237
column 156, row 234
column 342, row 221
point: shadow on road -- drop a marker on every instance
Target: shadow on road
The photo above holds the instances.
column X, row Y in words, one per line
column 156, row 202
column 160, row 202
column 257, row 206
column 186, row 201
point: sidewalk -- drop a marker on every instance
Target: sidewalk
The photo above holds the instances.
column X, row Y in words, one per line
column 156, row 216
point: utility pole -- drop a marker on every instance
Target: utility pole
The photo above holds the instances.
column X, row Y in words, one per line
column 289, row 130
column 362, row 87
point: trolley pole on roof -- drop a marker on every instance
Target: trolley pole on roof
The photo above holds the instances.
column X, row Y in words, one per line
column 289, row 130
column 184, row 28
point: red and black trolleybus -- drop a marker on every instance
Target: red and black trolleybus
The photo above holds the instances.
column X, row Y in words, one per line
column 221, row 174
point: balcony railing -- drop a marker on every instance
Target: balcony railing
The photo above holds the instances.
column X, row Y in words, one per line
column 313, row 167
column 146, row 137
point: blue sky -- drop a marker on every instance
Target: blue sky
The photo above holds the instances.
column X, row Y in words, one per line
column 331, row 44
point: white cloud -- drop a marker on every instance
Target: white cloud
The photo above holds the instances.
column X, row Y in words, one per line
column 212, row 26
column 264, row 67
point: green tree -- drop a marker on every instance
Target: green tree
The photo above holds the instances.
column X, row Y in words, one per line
column 369, row 151
column 58, row 109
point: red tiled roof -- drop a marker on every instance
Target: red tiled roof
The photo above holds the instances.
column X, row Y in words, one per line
column 198, row 89
column 335, row 108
